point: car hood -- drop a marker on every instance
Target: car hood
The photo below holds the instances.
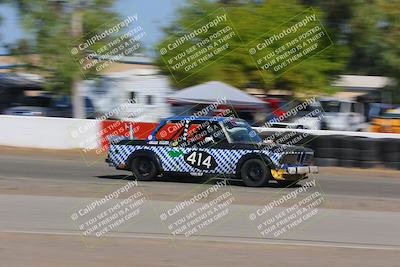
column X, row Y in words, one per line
column 274, row 147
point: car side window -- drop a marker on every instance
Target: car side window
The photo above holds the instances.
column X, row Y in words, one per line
column 217, row 133
column 195, row 135
column 204, row 134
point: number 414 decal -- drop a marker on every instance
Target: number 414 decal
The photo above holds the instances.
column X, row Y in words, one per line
column 200, row 160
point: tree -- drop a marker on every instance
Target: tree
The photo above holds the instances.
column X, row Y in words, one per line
column 375, row 37
column 58, row 26
column 253, row 19
column 375, row 41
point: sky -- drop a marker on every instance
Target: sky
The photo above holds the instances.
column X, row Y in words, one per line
column 153, row 14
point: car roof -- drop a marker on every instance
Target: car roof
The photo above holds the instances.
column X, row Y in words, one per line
column 194, row 118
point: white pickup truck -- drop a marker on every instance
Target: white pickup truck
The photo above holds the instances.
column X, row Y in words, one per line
column 343, row 115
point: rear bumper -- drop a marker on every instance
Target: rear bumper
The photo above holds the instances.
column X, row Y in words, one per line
column 109, row 163
column 118, row 167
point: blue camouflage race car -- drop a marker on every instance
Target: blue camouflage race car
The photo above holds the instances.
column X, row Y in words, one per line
column 211, row 146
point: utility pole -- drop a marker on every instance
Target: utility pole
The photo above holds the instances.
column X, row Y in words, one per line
column 78, row 103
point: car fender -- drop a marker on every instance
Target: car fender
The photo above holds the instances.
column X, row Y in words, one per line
column 253, row 155
column 145, row 153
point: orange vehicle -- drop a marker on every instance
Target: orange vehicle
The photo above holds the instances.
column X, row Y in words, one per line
column 388, row 123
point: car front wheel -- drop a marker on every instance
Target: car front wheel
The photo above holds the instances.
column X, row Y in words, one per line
column 255, row 173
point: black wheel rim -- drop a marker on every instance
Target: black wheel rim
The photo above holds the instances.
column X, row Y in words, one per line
column 144, row 167
column 254, row 171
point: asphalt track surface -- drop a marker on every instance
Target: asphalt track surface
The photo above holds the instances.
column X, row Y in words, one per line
column 356, row 224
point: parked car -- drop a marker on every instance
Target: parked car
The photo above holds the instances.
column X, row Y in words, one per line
column 343, row 115
column 47, row 105
column 389, row 122
column 306, row 118
column 31, row 106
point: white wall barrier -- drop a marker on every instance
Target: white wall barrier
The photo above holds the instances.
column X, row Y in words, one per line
column 66, row 133
column 50, row 133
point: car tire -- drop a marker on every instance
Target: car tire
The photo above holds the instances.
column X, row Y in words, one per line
column 326, row 153
column 327, row 162
column 369, row 144
column 390, row 145
column 255, row 173
column 325, row 142
column 391, row 157
column 349, row 163
column 348, row 142
column 349, row 154
column 369, row 155
column 143, row 169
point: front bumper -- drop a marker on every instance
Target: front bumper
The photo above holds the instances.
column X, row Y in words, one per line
column 293, row 172
column 108, row 161
column 302, row 169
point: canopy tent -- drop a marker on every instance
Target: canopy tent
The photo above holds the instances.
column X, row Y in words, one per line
column 216, row 92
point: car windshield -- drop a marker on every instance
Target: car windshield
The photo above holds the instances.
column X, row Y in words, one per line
column 240, row 131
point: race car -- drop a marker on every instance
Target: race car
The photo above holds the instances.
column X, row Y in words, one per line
column 211, row 146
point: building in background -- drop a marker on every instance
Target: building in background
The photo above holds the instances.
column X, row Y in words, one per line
column 353, row 86
column 130, row 89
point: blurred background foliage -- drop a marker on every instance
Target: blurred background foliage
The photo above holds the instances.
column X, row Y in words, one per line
column 253, row 20
column 365, row 35
column 57, row 26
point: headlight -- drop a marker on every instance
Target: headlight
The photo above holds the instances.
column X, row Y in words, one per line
column 301, row 158
column 289, row 159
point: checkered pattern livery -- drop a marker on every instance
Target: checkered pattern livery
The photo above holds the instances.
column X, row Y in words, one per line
column 226, row 159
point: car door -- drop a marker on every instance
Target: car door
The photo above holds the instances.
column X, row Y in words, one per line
column 206, row 148
column 167, row 141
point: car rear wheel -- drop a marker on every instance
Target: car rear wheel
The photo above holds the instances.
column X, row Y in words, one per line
column 255, row 173
column 143, row 168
